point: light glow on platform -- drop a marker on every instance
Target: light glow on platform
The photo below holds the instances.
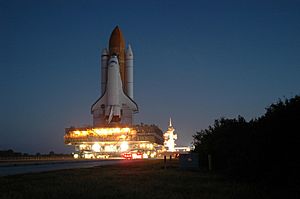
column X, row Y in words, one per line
column 124, row 146
column 146, row 146
column 110, row 131
column 101, row 132
column 110, row 148
column 96, row 147
column 103, row 142
column 76, row 156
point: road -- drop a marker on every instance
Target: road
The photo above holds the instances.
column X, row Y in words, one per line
column 51, row 166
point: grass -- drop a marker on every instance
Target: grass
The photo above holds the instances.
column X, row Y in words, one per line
column 131, row 179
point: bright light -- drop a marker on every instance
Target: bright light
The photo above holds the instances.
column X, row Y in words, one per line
column 145, row 155
column 124, row 146
column 134, row 156
column 152, row 155
column 137, row 155
column 96, row 147
column 169, row 139
column 122, row 136
column 110, row 148
column 82, row 146
column 110, row 131
column 76, row 156
column 88, row 156
column 99, row 132
column 149, row 146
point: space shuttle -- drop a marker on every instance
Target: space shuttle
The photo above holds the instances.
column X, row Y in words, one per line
column 116, row 106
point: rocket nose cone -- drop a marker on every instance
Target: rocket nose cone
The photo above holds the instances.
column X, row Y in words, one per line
column 116, row 39
column 129, row 52
column 104, row 52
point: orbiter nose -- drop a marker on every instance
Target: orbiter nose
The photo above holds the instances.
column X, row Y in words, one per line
column 113, row 59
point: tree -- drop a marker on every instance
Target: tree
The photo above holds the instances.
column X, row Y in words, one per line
column 266, row 147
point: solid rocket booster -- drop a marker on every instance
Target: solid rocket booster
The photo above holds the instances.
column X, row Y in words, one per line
column 116, row 105
column 104, row 60
column 129, row 72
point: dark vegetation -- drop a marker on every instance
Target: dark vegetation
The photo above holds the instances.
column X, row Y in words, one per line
column 131, row 180
column 263, row 149
column 10, row 154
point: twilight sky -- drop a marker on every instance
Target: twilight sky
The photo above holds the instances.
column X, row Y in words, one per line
column 195, row 61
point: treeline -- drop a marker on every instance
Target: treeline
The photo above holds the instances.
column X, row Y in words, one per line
column 11, row 153
column 266, row 148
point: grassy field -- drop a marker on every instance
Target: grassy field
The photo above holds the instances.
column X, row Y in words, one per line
column 133, row 179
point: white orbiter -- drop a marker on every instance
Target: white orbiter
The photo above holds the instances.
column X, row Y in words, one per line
column 115, row 107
